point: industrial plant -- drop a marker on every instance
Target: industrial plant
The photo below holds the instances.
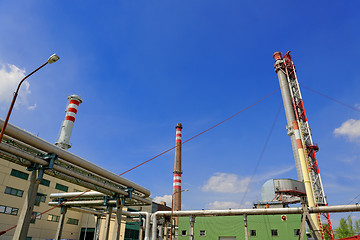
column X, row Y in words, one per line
column 48, row 192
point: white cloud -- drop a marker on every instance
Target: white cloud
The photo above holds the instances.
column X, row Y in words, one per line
column 232, row 183
column 31, row 108
column 226, row 183
column 350, row 129
column 165, row 198
column 10, row 77
column 275, row 173
column 226, row 205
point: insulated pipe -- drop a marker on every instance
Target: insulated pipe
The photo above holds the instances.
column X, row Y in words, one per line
column 147, row 221
column 69, row 172
column 87, row 211
column 59, row 168
column 61, row 175
column 67, row 125
column 289, row 109
column 87, row 202
column 74, row 194
column 43, row 145
column 257, row 211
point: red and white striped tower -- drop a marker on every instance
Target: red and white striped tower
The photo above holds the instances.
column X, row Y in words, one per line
column 67, row 126
column 177, row 171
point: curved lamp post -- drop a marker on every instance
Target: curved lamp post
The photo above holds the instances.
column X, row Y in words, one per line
column 172, row 210
column 53, row 58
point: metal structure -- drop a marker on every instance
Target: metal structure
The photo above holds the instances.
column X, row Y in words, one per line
column 42, row 157
column 301, row 138
column 67, row 125
column 262, row 211
column 286, row 191
column 101, row 205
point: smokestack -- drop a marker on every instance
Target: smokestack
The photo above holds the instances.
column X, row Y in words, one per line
column 67, row 126
column 289, row 109
column 177, row 170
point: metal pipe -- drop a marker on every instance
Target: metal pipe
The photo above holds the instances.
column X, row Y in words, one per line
column 265, row 211
column 74, row 194
column 43, row 145
column 147, row 221
column 53, row 58
column 69, row 172
column 246, row 228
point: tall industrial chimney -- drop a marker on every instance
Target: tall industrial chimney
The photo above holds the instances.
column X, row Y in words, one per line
column 67, row 126
column 177, row 171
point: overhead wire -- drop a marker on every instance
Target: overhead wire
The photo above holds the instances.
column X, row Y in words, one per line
column 162, row 153
column 261, row 154
column 197, row 135
column 330, row 98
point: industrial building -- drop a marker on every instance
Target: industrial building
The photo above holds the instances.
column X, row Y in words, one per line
column 284, row 227
column 13, row 188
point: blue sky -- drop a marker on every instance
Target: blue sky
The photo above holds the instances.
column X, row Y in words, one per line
column 143, row 66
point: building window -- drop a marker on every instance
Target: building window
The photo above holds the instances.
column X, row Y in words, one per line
column 53, row 218
column 33, row 218
column 183, row 233
column 19, row 174
column 202, row 233
column 297, row 232
column 28, row 238
column 40, row 198
column 14, row 192
column 45, row 182
column 253, row 233
column 8, row 210
column 274, row 232
column 72, row 221
column 61, row 187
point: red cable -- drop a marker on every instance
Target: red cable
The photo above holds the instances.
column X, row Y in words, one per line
column 3, row 232
column 332, row 99
column 201, row 132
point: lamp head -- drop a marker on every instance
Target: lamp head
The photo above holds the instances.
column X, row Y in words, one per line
column 53, row 58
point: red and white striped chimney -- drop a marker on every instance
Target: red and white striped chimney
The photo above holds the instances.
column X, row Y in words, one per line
column 67, row 126
column 177, row 170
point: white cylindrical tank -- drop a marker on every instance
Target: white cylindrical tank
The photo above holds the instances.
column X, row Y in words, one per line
column 67, row 126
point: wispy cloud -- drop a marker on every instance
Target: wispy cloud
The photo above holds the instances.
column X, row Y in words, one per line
column 226, row 183
column 31, row 108
column 233, row 183
column 226, row 205
column 165, row 198
column 349, row 129
column 10, row 76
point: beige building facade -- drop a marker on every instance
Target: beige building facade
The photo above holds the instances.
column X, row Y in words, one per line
column 14, row 183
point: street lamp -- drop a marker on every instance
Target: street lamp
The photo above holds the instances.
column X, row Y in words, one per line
column 172, row 210
column 53, row 58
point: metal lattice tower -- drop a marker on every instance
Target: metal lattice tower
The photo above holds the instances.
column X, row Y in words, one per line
column 286, row 65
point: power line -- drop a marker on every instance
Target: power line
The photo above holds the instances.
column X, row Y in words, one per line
column 332, row 99
column 261, row 154
column 197, row 135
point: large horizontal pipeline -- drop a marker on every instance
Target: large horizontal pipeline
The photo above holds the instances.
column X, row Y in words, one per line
column 43, row 145
column 84, row 203
column 265, row 211
column 257, row 211
column 74, row 194
column 67, row 172
column 92, row 194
